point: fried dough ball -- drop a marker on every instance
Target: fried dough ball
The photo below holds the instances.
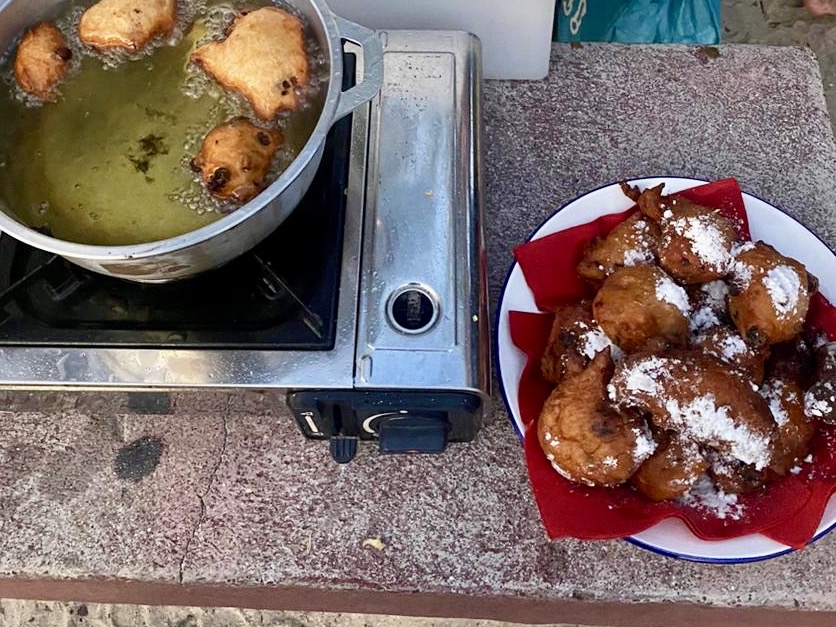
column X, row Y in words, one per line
column 791, row 442
column 42, row 60
column 696, row 242
column 639, row 303
column 820, row 399
column 574, row 340
column 795, row 430
column 633, row 242
column 725, row 344
column 126, row 24
column 733, row 476
column 234, row 159
column 584, row 437
column 671, row 471
column 696, row 396
column 263, row 58
column 770, row 294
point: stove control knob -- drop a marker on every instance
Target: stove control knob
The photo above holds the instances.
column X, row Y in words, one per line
column 343, row 448
column 412, row 308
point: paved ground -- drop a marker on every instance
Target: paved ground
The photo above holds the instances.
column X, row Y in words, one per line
column 778, row 22
column 42, row 614
column 785, row 22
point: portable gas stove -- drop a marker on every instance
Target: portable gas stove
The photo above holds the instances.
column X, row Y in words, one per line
column 368, row 305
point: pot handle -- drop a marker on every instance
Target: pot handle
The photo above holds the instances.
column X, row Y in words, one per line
column 372, row 78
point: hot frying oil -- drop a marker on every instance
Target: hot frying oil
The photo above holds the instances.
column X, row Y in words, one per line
column 108, row 162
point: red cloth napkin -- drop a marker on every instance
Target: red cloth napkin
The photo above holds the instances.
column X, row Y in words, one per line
column 788, row 510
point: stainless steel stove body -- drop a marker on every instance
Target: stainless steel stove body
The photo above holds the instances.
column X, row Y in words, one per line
column 410, row 353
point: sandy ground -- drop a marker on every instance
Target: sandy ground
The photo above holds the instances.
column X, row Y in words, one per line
column 785, row 22
column 774, row 22
column 43, row 614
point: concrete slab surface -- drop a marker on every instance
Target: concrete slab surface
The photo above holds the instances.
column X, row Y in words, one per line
column 235, row 508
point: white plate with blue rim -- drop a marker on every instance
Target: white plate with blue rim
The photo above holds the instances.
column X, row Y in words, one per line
column 669, row 537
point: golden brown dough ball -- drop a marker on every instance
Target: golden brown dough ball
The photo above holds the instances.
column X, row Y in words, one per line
column 633, row 242
column 574, row 340
column 235, row 158
column 671, row 471
column 42, row 60
column 725, row 344
column 795, row 430
column 733, row 476
column 698, row 397
column 696, row 242
column 639, row 303
column 584, row 437
column 126, row 24
column 770, row 294
column 263, row 58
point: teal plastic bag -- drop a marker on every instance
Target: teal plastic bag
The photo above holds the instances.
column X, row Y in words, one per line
column 639, row 21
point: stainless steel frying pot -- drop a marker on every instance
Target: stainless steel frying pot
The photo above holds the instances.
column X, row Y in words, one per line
column 223, row 240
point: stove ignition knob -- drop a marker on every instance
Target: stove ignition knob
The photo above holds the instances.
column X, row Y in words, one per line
column 413, row 308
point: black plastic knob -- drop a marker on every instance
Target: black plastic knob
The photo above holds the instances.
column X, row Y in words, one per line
column 343, row 448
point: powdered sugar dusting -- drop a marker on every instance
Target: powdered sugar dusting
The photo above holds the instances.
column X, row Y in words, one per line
column 566, row 475
column 717, row 291
column 642, row 253
column 645, row 446
column 702, row 318
column 645, row 376
column 820, row 340
column 741, row 247
column 707, row 241
column 724, row 344
column 668, row 291
column 784, row 286
column 705, row 315
column 593, row 341
column 705, row 496
column 702, row 420
column 741, row 272
column 732, row 346
column 637, row 257
column 820, row 401
column 774, row 392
